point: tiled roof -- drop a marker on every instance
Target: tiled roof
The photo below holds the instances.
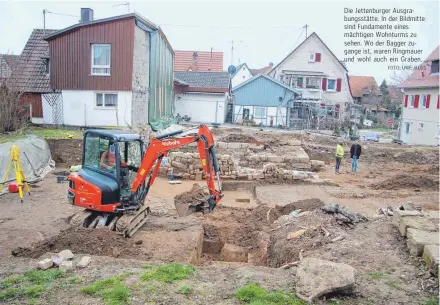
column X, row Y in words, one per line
column 361, row 85
column 422, row 78
column 30, row 74
column 194, row 79
column 7, row 64
column 263, row 70
column 206, row 61
column 11, row 60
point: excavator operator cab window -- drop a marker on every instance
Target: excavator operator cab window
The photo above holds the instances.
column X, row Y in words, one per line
column 100, row 154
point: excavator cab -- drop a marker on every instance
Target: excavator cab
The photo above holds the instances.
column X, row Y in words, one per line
column 110, row 160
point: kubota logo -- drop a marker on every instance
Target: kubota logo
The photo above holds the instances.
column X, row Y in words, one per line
column 169, row 143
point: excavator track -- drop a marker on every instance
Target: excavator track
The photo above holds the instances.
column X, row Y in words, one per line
column 128, row 224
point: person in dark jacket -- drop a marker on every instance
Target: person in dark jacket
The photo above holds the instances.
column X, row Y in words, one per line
column 355, row 153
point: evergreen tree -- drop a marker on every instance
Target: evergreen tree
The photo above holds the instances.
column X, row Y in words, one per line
column 386, row 98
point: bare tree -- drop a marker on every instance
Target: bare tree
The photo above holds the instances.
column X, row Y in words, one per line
column 399, row 77
column 13, row 113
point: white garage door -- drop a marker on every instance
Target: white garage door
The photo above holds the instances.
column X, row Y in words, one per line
column 202, row 108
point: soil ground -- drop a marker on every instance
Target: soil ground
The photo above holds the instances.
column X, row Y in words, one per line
column 386, row 273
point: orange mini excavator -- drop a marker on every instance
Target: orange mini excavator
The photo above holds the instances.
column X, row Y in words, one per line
column 116, row 174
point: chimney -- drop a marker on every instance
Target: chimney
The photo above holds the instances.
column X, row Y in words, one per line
column 86, row 15
column 195, row 56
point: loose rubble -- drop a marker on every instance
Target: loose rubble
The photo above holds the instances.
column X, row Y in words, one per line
column 343, row 217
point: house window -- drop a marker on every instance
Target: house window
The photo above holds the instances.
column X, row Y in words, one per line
column 313, row 82
column 297, row 82
column 100, row 59
column 331, row 84
column 421, row 125
column 260, row 112
column 434, row 67
column 424, row 101
column 312, row 57
column 109, row 100
column 46, row 66
column 411, row 99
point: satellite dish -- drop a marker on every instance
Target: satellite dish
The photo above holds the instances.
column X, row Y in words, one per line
column 232, row 69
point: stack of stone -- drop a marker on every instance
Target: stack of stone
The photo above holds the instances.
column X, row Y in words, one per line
column 294, row 161
column 189, row 166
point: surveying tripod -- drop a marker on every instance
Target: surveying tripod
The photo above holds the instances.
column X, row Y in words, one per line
column 19, row 174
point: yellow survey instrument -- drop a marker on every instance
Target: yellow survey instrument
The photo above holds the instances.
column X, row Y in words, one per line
column 19, row 174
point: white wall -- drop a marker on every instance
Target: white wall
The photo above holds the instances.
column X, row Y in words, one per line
column 278, row 114
column 79, row 109
column 299, row 61
column 429, row 117
column 241, row 76
column 202, row 108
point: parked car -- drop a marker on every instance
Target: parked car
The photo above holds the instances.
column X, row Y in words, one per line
column 371, row 137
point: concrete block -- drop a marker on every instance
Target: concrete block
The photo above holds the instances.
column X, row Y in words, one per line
column 275, row 159
column 244, row 145
column 84, row 262
column 416, row 222
column 294, row 143
column 398, row 214
column 66, row 266
column 222, row 145
column 45, row 264
column 198, row 177
column 234, row 145
column 418, row 239
column 431, row 256
column 233, row 253
column 65, row 255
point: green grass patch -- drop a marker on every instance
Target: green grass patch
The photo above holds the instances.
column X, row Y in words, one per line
column 42, row 132
column 377, row 275
column 112, row 290
column 432, row 301
column 255, row 295
column 184, row 290
column 168, row 273
column 31, row 285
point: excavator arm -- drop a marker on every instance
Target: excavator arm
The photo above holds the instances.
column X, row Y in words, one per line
column 160, row 146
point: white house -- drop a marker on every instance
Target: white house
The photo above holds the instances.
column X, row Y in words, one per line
column 242, row 74
column 320, row 77
column 420, row 123
column 202, row 96
column 101, row 77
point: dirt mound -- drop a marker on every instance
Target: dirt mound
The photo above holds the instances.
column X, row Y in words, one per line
column 319, row 229
column 417, row 157
column 406, row 182
column 80, row 240
column 304, row 205
column 238, row 137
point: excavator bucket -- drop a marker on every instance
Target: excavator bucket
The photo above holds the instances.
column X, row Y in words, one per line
column 192, row 201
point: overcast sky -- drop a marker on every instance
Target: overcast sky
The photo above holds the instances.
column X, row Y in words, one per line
column 262, row 32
